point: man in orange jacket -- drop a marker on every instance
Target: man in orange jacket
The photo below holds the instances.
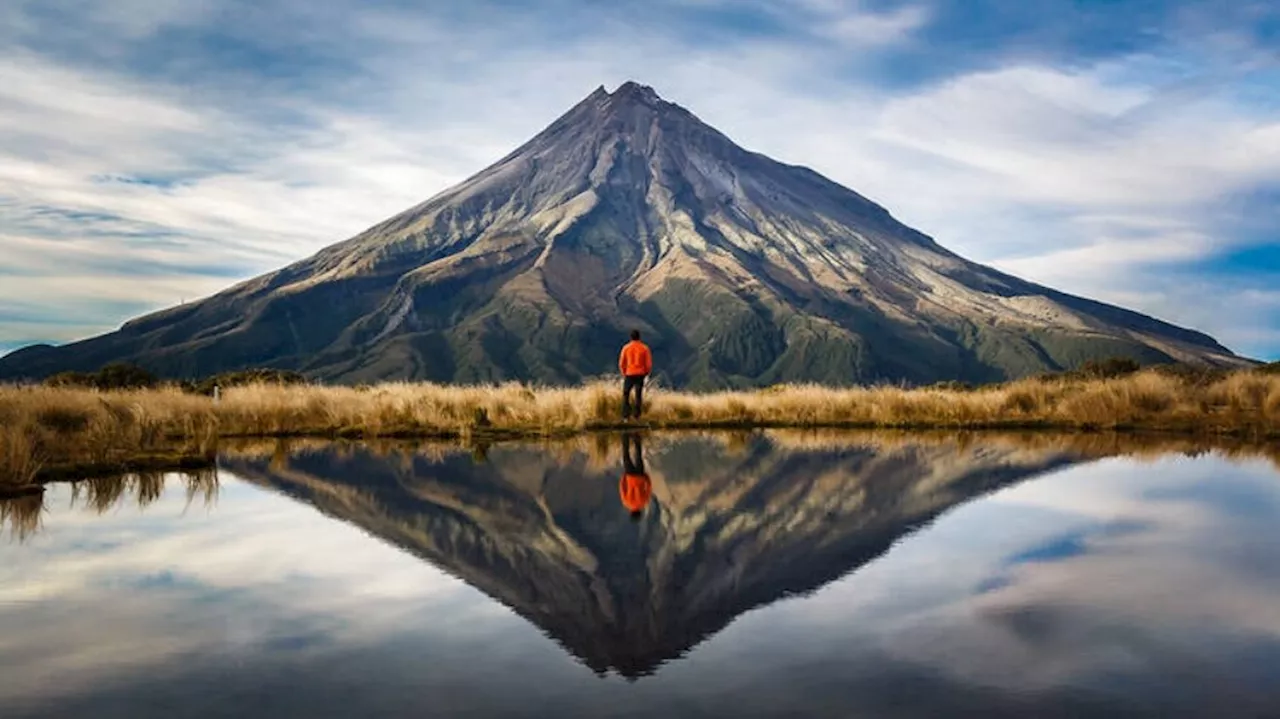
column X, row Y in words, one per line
column 635, row 363
column 635, row 489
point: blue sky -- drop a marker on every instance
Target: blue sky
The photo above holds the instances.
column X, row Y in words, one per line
column 156, row 151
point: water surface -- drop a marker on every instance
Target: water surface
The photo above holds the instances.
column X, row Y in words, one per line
column 768, row 575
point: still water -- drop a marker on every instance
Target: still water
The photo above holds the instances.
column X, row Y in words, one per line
column 766, row 575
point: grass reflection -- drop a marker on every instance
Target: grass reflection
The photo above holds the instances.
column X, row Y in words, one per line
column 605, row 449
column 22, row 518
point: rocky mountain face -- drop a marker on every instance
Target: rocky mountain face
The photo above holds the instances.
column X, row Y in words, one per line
column 729, row 528
column 628, row 211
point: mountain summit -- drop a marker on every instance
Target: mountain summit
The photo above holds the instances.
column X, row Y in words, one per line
column 628, row 211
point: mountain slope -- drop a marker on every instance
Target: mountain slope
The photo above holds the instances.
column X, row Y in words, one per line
column 727, row 531
column 629, row 211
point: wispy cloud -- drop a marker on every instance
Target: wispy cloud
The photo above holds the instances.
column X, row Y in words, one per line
column 295, row 601
column 860, row 28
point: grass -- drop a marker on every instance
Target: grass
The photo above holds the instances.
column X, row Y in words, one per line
column 22, row 516
column 53, row 432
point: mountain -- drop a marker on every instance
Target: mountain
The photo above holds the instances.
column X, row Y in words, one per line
column 728, row 529
column 628, row 211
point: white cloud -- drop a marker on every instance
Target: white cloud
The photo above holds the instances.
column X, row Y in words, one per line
column 1065, row 138
column 319, row 576
column 1059, row 176
column 872, row 29
column 1096, row 559
column 856, row 26
column 849, row 23
column 1110, row 258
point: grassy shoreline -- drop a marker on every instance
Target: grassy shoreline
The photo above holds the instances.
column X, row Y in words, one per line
column 58, row 432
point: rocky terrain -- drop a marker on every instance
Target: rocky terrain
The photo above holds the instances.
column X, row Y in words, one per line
column 628, row 211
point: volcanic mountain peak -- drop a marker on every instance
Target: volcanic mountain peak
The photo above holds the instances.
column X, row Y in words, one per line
column 628, row 211
column 629, row 94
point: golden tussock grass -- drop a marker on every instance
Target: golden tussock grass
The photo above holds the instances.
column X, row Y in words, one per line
column 42, row 428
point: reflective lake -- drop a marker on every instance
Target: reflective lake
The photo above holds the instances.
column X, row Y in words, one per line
column 766, row 574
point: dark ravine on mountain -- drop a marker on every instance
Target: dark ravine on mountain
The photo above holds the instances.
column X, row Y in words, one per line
column 726, row 532
column 626, row 212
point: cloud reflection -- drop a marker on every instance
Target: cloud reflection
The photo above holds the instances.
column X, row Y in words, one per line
column 1114, row 587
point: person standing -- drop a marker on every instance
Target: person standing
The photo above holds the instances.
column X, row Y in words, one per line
column 635, row 487
column 635, row 362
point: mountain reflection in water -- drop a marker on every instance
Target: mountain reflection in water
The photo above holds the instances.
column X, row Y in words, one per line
column 730, row 527
column 730, row 523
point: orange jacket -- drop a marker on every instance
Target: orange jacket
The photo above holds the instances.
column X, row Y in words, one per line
column 635, row 359
column 635, row 490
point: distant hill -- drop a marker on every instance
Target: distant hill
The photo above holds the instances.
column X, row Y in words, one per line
column 628, row 211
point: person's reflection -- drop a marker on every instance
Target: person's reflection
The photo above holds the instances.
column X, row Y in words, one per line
column 635, row 487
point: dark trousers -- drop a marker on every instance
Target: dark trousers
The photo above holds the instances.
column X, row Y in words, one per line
column 632, row 384
column 632, row 455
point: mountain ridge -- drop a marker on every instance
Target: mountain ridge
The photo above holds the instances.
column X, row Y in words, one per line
column 628, row 210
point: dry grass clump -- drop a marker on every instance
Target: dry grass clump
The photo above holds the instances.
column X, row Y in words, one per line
column 1242, row 402
column 19, row 460
column 408, row 409
column 50, row 426
column 42, row 428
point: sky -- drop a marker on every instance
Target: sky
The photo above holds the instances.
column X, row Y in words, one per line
column 156, row 151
